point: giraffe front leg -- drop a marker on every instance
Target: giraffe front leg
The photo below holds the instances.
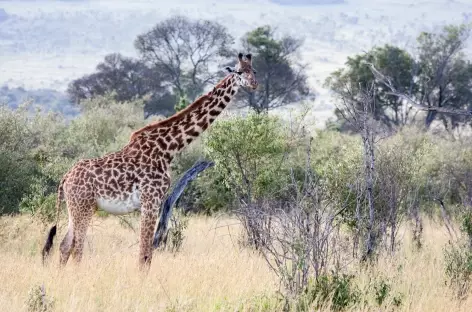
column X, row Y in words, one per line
column 149, row 213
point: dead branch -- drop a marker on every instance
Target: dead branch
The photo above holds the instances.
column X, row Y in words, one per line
column 412, row 103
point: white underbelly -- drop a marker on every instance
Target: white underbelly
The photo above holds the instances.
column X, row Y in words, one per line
column 120, row 206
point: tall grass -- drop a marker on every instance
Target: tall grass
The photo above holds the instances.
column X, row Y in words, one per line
column 211, row 273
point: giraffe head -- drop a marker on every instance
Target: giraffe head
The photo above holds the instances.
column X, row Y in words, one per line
column 244, row 74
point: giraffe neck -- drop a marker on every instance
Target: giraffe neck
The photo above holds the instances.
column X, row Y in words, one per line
column 173, row 134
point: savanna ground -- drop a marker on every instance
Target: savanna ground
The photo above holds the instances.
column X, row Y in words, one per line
column 211, row 272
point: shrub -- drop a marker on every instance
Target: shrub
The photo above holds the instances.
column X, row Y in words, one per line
column 458, row 259
column 104, row 126
column 458, row 269
column 38, row 301
column 176, row 231
column 17, row 166
column 248, row 153
column 36, row 149
column 16, row 174
column 40, row 202
column 334, row 290
column 208, row 194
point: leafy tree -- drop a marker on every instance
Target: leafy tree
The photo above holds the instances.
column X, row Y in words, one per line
column 184, row 49
column 282, row 80
column 127, row 79
column 347, row 83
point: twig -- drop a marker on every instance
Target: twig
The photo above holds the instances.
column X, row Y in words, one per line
column 447, row 221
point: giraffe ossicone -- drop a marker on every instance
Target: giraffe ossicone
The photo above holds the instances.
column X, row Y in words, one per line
column 137, row 176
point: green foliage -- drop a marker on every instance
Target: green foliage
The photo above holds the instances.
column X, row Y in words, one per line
column 40, row 202
column 182, row 103
column 191, row 47
column 263, row 41
column 247, row 152
column 207, row 194
column 16, row 174
column 466, row 227
column 337, row 160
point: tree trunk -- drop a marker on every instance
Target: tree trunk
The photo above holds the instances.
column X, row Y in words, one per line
column 369, row 161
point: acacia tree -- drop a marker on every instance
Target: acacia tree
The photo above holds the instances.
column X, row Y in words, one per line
column 282, row 79
column 438, row 81
column 127, row 79
column 184, row 49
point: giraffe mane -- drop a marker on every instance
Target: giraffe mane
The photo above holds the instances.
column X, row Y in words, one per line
column 180, row 115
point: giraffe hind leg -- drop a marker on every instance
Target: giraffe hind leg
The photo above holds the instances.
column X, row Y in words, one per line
column 73, row 242
column 67, row 245
column 80, row 230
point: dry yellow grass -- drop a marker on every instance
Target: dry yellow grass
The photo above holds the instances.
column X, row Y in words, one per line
column 211, row 273
column 210, row 270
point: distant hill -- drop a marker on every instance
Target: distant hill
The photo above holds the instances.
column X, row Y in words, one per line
column 307, row 2
column 47, row 99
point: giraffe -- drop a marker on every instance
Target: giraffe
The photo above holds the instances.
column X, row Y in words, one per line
column 137, row 176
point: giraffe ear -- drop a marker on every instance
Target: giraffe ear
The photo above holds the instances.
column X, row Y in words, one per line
column 240, row 58
column 249, row 57
column 229, row 69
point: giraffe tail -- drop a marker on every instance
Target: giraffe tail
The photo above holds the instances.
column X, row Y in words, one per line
column 52, row 232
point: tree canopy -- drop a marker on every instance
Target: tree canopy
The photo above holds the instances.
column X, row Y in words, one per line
column 185, row 50
column 127, row 79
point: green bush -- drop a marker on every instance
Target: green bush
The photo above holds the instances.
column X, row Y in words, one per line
column 17, row 166
column 248, row 153
column 103, row 127
column 36, row 149
column 337, row 291
column 337, row 161
column 206, row 194
column 40, row 202
column 16, row 175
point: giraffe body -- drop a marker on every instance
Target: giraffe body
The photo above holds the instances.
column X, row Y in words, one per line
column 137, row 176
column 119, row 206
